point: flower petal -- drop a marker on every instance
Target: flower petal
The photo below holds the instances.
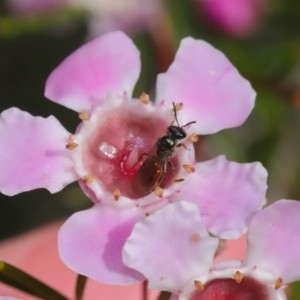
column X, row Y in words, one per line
column 108, row 63
column 33, row 153
column 227, row 193
column 170, row 247
column 90, row 243
column 213, row 92
column 274, row 240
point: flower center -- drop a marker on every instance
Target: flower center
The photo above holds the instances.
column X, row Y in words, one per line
column 119, row 141
column 228, row 289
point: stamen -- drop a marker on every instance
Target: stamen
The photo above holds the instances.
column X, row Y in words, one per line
column 159, row 191
column 189, row 168
column 193, row 138
column 84, row 116
column 279, row 283
column 178, row 180
column 88, row 178
column 238, row 276
column 71, row 145
column 178, row 106
column 145, row 98
column 199, row 285
column 117, row 194
column 195, row 237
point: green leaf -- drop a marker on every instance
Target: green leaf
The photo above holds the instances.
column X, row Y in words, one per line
column 18, row 279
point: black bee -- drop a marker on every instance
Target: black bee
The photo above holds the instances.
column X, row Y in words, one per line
column 153, row 169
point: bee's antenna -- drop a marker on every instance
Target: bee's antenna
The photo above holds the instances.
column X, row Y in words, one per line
column 188, row 124
column 175, row 114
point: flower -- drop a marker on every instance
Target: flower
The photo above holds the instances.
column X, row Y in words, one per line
column 97, row 81
column 236, row 17
column 185, row 266
column 127, row 15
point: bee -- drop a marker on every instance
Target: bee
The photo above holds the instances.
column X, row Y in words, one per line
column 153, row 169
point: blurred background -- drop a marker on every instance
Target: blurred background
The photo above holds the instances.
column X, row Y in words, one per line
column 260, row 37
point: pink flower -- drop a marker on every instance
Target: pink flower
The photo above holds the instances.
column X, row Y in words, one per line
column 181, row 254
column 236, row 17
column 97, row 81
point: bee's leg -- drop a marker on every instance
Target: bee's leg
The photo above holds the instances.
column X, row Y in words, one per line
column 170, row 164
column 182, row 145
column 141, row 158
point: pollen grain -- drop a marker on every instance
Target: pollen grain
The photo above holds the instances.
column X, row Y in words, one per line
column 145, row 98
column 117, row 194
column 179, row 106
column 189, row 168
column 71, row 145
column 88, row 178
column 84, row 116
column 238, row 276
column 193, row 138
column 199, row 285
column 159, row 191
column 279, row 283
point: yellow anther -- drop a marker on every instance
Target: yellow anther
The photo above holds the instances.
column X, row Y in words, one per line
column 84, row 116
column 199, row 285
column 117, row 194
column 175, row 180
column 189, row 168
column 71, row 145
column 145, row 98
column 278, row 283
column 159, row 191
column 88, row 178
column 238, row 276
column 179, row 106
column 193, row 138
column 195, row 237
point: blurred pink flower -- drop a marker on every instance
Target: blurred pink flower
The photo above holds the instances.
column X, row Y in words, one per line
column 97, row 81
column 31, row 7
column 185, row 266
column 236, row 17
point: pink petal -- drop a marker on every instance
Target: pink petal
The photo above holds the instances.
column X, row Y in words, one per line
column 227, row 193
column 213, row 92
column 33, row 153
column 108, row 63
column 90, row 243
column 274, row 240
column 170, row 247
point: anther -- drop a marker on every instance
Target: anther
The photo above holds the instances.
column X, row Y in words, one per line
column 178, row 180
column 189, row 168
column 88, row 178
column 159, row 191
column 199, row 285
column 278, row 283
column 117, row 194
column 193, row 138
column 238, row 276
column 71, row 145
column 178, row 106
column 84, row 116
column 145, row 98
column 195, row 237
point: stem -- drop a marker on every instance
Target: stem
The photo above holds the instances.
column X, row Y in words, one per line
column 80, row 285
column 18, row 279
column 164, row 296
column 145, row 290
